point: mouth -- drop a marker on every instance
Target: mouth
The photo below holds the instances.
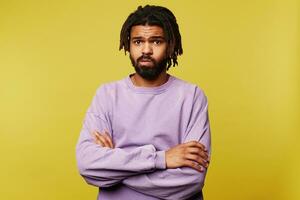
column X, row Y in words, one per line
column 145, row 61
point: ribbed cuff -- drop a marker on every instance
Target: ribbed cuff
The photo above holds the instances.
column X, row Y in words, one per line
column 160, row 160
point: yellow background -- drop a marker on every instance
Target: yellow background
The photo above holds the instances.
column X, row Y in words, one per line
column 244, row 54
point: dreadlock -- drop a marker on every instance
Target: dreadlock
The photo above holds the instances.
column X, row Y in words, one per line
column 154, row 15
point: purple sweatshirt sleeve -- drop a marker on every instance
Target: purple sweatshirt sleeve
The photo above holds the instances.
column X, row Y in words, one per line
column 102, row 166
column 180, row 183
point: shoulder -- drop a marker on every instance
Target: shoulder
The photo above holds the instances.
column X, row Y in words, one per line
column 190, row 89
column 109, row 88
column 105, row 95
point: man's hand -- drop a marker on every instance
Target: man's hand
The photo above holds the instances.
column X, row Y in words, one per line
column 103, row 139
column 191, row 154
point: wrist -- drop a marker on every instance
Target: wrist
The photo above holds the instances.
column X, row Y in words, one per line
column 160, row 160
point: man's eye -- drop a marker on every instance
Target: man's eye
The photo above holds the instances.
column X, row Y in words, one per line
column 137, row 42
column 157, row 42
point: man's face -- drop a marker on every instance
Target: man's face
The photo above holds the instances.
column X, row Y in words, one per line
column 148, row 50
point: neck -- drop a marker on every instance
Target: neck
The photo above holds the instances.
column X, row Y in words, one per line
column 141, row 82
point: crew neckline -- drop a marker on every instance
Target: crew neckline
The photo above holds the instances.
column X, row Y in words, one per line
column 151, row 90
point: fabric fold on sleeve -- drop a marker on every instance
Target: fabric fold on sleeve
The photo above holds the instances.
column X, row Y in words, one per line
column 180, row 183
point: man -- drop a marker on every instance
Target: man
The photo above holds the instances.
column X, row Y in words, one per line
column 147, row 136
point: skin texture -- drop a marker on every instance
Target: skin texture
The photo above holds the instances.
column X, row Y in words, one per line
column 148, row 42
column 147, row 49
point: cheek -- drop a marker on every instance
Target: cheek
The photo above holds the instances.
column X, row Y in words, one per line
column 134, row 52
column 161, row 53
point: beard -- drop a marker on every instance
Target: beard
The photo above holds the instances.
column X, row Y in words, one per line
column 149, row 73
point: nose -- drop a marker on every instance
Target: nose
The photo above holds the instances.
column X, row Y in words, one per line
column 147, row 48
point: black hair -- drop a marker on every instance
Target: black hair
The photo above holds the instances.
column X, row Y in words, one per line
column 159, row 16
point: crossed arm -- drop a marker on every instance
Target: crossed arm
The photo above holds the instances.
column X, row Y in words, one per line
column 186, row 166
column 191, row 154
column 176, row 173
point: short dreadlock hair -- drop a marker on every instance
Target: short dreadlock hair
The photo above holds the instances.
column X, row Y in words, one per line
column 159, row 16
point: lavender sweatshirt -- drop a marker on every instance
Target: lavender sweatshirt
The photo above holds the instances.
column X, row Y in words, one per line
column 143, row 122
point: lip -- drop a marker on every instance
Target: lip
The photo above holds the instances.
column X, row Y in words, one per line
column 146, row 60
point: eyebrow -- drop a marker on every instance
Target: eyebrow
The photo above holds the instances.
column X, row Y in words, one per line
column 152, row 37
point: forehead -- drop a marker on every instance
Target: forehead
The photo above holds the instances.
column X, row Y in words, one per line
column 146, row 31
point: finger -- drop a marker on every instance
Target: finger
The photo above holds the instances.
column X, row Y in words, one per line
column 97, row 141
column 107, row 138
column 106, row 134
column 102, row 139
column 109, row 142
column 196, row 144
column 197, row 159
column 100, row 143
column 194, row 165
column 93, row 134
column 198, row 151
